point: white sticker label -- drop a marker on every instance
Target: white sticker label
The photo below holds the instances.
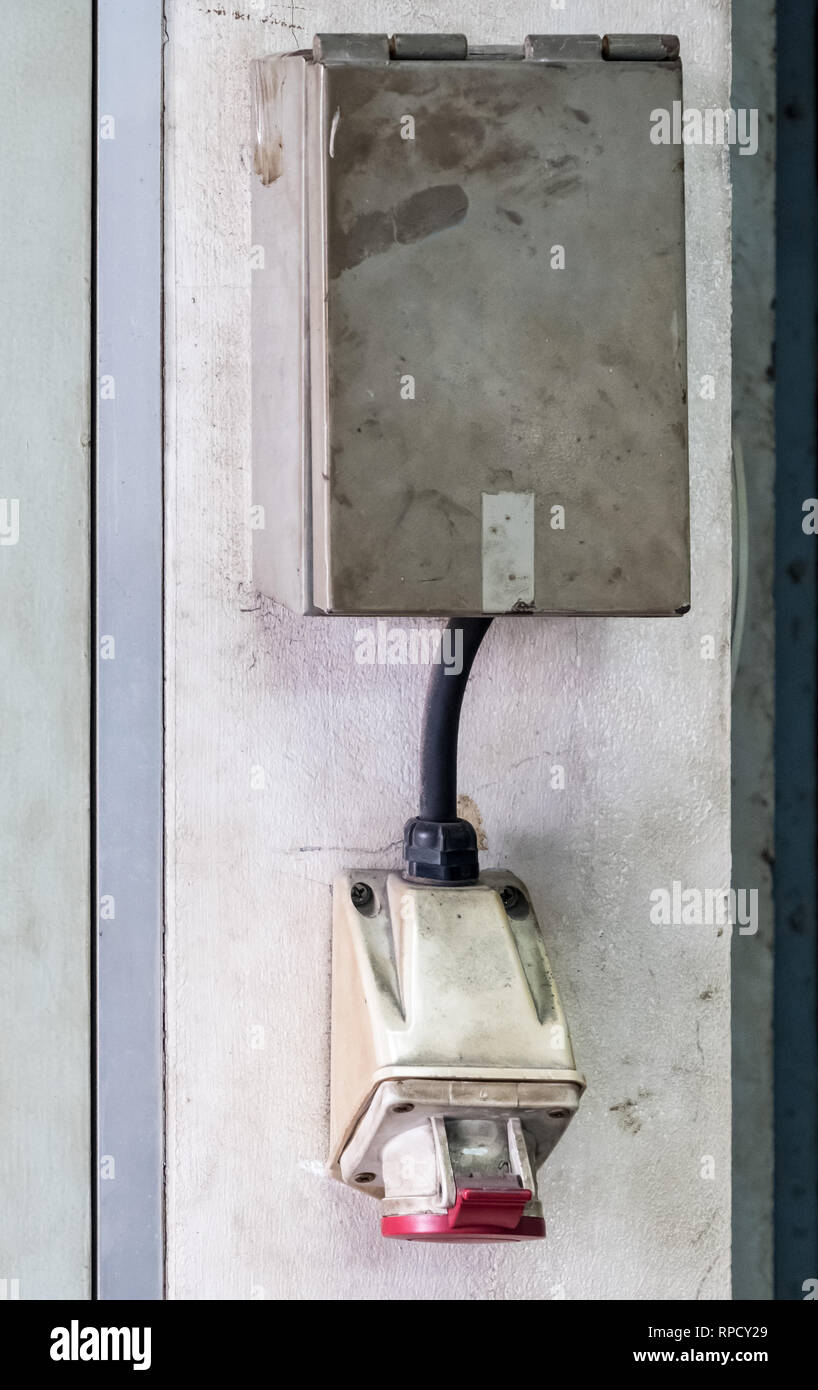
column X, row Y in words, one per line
column 508, row 551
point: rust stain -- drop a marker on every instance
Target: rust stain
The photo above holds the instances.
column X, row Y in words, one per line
column 467, row 809
column 267, row 149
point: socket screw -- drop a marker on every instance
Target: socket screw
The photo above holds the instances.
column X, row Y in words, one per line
column 510, row 897
column 361, row 895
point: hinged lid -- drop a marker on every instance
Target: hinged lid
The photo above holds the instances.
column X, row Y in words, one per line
column 469, row 352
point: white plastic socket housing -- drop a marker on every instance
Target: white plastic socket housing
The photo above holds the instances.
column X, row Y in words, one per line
column 453, row 1075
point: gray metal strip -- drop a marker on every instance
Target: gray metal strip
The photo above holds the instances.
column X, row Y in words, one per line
column 128, row 684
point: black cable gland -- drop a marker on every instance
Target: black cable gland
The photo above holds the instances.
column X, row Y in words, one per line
column 440, row 851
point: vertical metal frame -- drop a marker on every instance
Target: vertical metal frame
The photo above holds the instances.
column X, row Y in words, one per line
column 128, row 652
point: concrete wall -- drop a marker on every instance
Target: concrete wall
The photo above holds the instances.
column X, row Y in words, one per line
column 287, row 761
column 45, row 249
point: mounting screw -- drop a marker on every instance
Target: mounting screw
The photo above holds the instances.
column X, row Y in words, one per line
column 364, row 1177
column 510, row 897
column 402, row 1109
column 361, row 895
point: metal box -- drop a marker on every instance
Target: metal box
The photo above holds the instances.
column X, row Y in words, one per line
column 469, row 376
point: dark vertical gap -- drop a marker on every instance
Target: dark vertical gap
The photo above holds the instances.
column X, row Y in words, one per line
column 93, row 925
column 796, row 736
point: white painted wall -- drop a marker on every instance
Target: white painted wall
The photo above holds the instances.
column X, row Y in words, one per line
column 639, row 719
column 45, row 251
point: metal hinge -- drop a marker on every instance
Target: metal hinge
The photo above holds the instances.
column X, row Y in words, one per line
column 379, row 49
column 640, row 48
column 561, row 48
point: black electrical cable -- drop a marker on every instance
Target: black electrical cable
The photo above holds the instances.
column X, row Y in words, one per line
column 441, row 718
column 438, row 846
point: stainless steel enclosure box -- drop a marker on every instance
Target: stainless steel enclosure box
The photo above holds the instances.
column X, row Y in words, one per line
column 469, row 374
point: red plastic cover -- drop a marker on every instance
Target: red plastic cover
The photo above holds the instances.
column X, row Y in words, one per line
column 478, row 1214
